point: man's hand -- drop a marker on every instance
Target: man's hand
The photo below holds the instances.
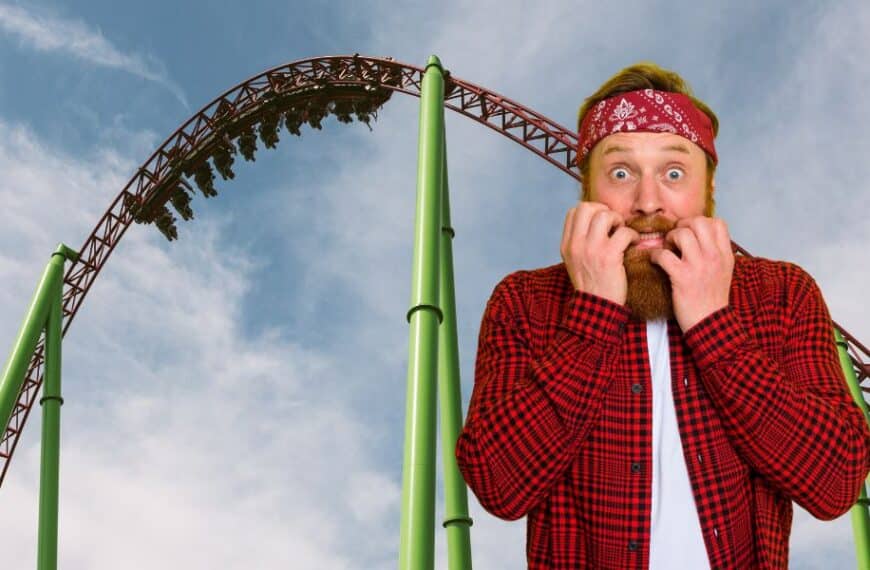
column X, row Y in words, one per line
column 701, row 276
column 592, row 255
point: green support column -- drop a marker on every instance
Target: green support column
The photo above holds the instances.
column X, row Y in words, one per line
column 859, row 514
column 417, row 531
column 45, row 314
column 51, row 401
column 456, row 519
column 28, row 336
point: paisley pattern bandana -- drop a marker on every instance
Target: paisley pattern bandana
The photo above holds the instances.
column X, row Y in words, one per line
column 646, row 110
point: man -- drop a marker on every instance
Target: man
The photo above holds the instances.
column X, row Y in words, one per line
column 655, row 401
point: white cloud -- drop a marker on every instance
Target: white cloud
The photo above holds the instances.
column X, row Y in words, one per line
column 372, row 496
column 186, row 442
column 797, row 155
column 47, row 33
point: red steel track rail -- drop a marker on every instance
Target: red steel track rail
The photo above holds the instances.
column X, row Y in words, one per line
column 282, row 90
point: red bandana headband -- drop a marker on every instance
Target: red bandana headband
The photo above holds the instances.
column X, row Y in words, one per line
column 646, row 110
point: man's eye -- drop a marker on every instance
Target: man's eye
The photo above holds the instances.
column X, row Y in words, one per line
column 675, row 173
column 619, row 173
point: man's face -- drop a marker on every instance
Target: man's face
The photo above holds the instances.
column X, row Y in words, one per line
column 652, row 180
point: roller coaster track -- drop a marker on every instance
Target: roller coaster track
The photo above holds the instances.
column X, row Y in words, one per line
column 294, row 94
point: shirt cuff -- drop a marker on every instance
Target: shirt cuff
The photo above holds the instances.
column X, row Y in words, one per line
column 715, row 337
column 595, row 317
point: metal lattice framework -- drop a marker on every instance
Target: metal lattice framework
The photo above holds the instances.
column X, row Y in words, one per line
column 293, row 94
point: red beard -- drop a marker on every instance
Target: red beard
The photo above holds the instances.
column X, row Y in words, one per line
column 649, row 287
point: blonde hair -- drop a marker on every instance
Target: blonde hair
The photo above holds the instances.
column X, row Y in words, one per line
column 647, row 75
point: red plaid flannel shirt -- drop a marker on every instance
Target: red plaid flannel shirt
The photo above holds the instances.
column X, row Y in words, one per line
column 560, row 420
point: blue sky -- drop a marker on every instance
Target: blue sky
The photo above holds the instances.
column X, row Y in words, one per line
column 235, row 399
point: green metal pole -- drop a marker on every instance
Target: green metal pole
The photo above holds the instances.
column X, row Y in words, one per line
column 858, row 512
column 51, row 401
column 28, row 336
column 861, row 530
column 417, row 531
column 456, row 519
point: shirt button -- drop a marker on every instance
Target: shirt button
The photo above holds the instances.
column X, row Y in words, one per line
column 636, row 388
column 635, row 467
column 632, row 545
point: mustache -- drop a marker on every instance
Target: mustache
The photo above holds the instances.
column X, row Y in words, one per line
column 651, row 224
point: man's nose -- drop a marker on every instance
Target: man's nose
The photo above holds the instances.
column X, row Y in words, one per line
column 647, row 198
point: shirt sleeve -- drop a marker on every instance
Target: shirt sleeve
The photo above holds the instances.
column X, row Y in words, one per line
column 792, row 419
column 528, row 415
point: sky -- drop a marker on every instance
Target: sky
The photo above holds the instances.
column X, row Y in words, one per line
column 235, row 398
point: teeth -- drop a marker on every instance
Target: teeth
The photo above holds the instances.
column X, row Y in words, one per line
column 651, row 235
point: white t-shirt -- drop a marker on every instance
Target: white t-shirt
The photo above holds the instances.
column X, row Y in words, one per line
column 676, row 541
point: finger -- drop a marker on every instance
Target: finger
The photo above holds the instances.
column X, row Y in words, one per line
column 686, row 241
column 601, row 225
column 688, row 222
column 623, row 237
column 666, row 260
column 705, row 233
column 585, row 212
column 712, row 234
column 684, row 222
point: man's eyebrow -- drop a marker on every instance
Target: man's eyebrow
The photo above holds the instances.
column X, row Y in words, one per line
column 618, row 148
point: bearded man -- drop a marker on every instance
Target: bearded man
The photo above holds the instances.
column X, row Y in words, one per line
column 655, row 401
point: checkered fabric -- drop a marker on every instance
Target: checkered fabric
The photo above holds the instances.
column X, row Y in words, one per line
column 559, row 424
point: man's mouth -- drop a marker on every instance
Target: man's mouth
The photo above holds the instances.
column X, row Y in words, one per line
column 650, row 240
